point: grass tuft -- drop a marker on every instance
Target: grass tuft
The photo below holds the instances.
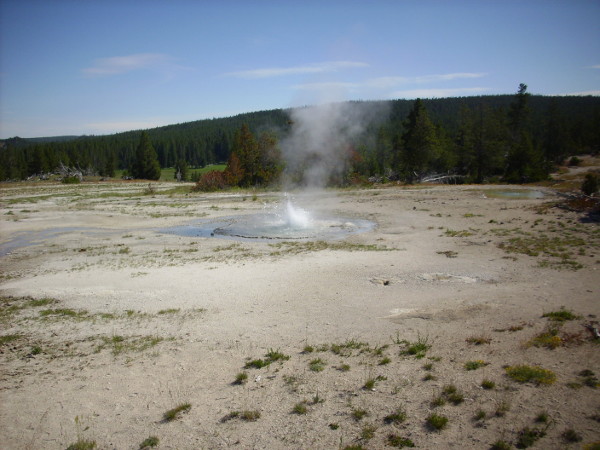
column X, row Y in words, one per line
column 82, row 444
column 317, row 365
column 396, row 417
column 436, row 422
column 174, row 413
column 151, row 441
column 474, row 365
column 562, row 315
column 394, row 440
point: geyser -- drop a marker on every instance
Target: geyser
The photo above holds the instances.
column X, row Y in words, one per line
column 284, row 221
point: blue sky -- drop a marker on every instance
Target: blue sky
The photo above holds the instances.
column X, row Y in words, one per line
column 103, row 66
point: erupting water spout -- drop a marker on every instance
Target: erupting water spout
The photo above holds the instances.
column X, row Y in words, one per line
column 296, row 217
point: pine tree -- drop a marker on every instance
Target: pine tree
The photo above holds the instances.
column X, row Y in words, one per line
column 145, row 165
column 524, row 162
column 419, row 141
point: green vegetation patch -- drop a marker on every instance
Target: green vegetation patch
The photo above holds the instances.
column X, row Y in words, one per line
column 176, row 412
column 270, row 357
column 561, row 315
column 533, row 374
column 297, row 247
column 149, row 442
column 418, row 349
column 121, row 344
column 394, row 440
column 474, row 365
column 82, row 444
column 436, row 422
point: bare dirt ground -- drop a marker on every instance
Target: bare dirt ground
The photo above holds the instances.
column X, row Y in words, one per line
column 107, row 324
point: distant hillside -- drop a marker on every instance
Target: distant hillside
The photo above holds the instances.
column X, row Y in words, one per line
column 210, row 141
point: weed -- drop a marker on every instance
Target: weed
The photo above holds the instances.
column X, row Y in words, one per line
column 428, row 366
column 121, row 344
column 250, row 415
column 317, row 365
column 542, row 417
column 479, row 415
column 174, row 413
column 448, row 253
column 344, row 368
column 478, row 340
column 241, row 378
column 438, row 401
column 449, row 393
column 547, row 339
column 82, row 444
column 368, row 431
column 534, row 374
column 570, row 435
column 308, row 349
column 151, row 441
column 169, row 311
column 528, row 436
column 436, row 422
column 417, row 349
column 589, row 378
column 63, row 312
column 317, row 399
column 396, row 417
column 459, row 233
column 300, row 408
column 359, row 413
column 369, row 384
column 474, row 365
column 562, row 315
column 393, row 440
column 36, row 350
column 500, row 445
column 270, row 357
column 502, row 408
column 256, row 364
column 40, row 302
column 455, row 398
column 488, row 384
column 429, row 377
column 385, row 361
column 9, row 338
column 334, row 426
column 273, row 355
column 345, row 348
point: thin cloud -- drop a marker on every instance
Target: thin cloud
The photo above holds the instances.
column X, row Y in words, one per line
column 325, row 86
column 388, row 82
column 269, row 72
column 438, row 93
column 123, row 64
column 447, row 77
column 584, row 93
column 596, row 66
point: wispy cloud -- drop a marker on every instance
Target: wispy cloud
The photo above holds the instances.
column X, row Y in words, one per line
column 325, row 86
column 596, row 66
column 268, row 72
column 438, row 93
column 389, row 82
column 584, row 93
column 123, row 64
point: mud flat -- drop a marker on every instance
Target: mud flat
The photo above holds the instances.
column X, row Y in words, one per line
column 460, row 302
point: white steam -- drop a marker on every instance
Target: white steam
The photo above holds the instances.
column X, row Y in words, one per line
column 319, row 145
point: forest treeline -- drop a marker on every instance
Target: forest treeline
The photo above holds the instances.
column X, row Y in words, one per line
column 516, row 138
